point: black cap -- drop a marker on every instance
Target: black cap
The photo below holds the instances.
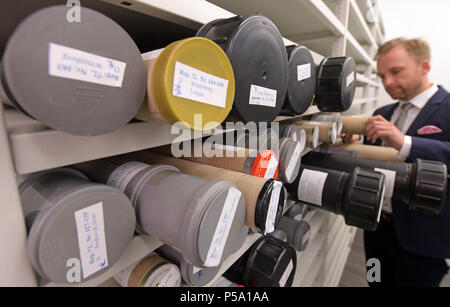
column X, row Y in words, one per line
column 263, row 204
column 301, row 90
column 336, row 83
column 430, row 186
column 257, row 53
column 272, row 263
column 363, row 199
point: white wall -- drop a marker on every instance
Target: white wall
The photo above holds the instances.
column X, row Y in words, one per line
column 429, row 20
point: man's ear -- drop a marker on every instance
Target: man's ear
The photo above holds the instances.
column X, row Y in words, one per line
column 425, row 66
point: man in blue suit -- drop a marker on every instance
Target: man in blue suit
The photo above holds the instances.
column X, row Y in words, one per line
column 413, row 248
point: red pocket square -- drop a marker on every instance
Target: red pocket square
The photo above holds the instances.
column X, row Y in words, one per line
column 430, row 129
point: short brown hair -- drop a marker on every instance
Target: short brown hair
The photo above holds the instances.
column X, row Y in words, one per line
column 416, row 47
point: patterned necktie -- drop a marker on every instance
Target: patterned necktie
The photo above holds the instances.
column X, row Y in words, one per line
column 401, row 119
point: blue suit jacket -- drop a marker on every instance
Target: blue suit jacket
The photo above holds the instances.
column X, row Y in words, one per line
column 419, row 233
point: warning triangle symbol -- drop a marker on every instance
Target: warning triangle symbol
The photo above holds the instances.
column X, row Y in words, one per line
column 89, row 101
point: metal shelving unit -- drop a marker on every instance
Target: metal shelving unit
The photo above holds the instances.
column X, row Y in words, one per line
column 328, row 28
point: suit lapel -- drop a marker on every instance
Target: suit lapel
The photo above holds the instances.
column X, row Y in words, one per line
column 429, row 108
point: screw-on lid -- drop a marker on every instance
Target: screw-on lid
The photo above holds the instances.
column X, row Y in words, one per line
column 258, row 56
column 271, row 263
column 336, row 84
column 295, row 133
column 430, row 186
column 298, row 232
column 205, row 56
column 302, row 79
column 290, row 159
column 363, row 199
column 269, row 206
column 265, row 165
column 215, row 208
column 57, row 234
column 87, row 85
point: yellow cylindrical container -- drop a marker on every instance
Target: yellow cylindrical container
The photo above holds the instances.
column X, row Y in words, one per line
column 354, row 124
column 380, row 153
column 189, row 81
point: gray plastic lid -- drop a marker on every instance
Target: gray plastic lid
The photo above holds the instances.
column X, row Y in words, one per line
column 85, row 78
column 53, row 238
column 207, row 211
column 298, row 232
column 290, row 159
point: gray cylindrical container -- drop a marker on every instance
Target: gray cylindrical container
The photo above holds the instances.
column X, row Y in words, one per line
column 298, row 232
column 293, row 132
column 203, row 219
column 74, row 223
column 194, row 276
column 298, row 211
column 84, row 78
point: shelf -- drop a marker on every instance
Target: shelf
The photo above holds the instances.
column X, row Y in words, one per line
column 138, row 248
column 358, row 26
column 363, row 80
column 192, row 14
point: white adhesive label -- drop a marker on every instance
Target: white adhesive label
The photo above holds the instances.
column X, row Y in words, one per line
column 389, row 181
column 310, row 187
column 196, row 269
column 303, row 71
column 381, row 205
column 70, row 63
column 294, row 160
column 271, row 167
column 122, row 175
column 91, row 239
column 196, row 85
column 350, row 78
column 223, row 228
column 284, row 278
column 273, row 207
column 262, row 96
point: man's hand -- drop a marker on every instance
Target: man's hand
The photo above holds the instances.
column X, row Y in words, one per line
column 350, row 138
column 377, row 127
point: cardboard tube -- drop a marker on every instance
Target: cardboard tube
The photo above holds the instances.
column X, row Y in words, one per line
column 251, row 187
column 327, row 130
column 261, row 164
column 354, row 125
column 151, row 271
column 187, row 78
column 380, row 153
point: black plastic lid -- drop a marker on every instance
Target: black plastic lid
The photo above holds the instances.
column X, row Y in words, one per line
column 430, row 186
column 336, row 84
column 271, row 263
column 263, row 204
column 258, row 56
column 302, row 80
column 298, row 232
column 363, row 199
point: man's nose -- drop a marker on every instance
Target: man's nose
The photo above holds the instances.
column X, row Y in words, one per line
column 388, row 81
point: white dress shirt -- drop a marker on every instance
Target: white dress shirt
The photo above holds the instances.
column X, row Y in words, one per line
column 418, row 103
